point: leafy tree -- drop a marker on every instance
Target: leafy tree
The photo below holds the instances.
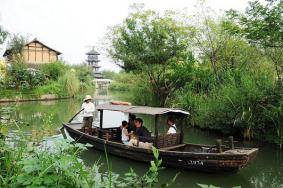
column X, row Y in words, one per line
column 261, row 24
column 3, row 35
column 214, row 46
column 154, row 44
column 208, row 40
column 16, row 45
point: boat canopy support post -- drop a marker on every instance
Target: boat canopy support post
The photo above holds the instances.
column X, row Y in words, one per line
column 100, row 123
column 156, row 130
column 182, row 130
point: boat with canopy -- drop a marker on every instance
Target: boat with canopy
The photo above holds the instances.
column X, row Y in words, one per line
column 173, row 151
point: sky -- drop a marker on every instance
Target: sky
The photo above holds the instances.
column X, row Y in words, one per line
column 72, row 26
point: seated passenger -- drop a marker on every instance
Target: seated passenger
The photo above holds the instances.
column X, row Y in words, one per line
column 125, row 135
column 140, row 129
column 131, row 124
column 172, row 127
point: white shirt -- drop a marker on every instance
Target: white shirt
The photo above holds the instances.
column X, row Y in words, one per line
column 125, row 136
column 171, row 130
column 88, row 109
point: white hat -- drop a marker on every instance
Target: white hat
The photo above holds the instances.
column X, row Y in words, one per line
column 87, row 97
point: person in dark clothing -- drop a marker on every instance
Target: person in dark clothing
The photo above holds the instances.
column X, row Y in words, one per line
column 131, row 123
column 140, row 130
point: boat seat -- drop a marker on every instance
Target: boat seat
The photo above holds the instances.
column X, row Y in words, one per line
column 168, row 140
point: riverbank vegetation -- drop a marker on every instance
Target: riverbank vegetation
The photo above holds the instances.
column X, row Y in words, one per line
column 20, row 81
column 226, row 70
column 54, row 78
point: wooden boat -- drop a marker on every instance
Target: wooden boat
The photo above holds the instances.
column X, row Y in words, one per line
column 173, row 151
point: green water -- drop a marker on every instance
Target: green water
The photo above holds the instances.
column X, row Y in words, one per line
column 265, row 171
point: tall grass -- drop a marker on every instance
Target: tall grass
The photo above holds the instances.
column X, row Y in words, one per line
column 70, row 82
column 239, row 105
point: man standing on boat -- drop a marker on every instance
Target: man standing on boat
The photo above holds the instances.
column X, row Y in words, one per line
column 87, row 113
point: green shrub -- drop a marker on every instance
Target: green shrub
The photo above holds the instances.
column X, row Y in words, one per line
column 237, row 106
column 137, row 86
column 123, row 82
column 54, row 70
column 21, row 77
column 84, row 74
column 70, row 82
column 109, row 74
column 118, row 86
column 50, row 88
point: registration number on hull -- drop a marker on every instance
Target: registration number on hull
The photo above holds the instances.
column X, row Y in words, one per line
column 195, row 162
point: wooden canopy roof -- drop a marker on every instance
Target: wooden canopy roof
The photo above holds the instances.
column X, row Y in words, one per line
column 142, row 109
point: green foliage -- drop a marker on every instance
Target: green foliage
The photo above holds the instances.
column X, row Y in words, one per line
column 70, row 82
column 150, row 178
column 150, row 43
column 20, row 77
column 50, row 88
column 59, row 165
column 235, row 107
column 33, row 83
column 16, row 47
column 85, row 77
column 146, row 38
column 232, row 81
column 136, row 86
column 261, row 23
column 5, row 120
column 3, row 35
column 109, row 74
column 274, row 113
column 54, row 69
column 16, row 44
column 123, row 81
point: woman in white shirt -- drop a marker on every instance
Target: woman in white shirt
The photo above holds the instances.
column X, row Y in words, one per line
column 172, row 127
column 87, row 113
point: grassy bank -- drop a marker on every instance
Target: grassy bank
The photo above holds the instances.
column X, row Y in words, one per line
column 58, row 79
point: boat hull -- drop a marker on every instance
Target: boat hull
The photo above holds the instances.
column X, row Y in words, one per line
column 205, row 162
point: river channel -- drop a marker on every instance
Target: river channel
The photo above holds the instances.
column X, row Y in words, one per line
column 266, row 171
